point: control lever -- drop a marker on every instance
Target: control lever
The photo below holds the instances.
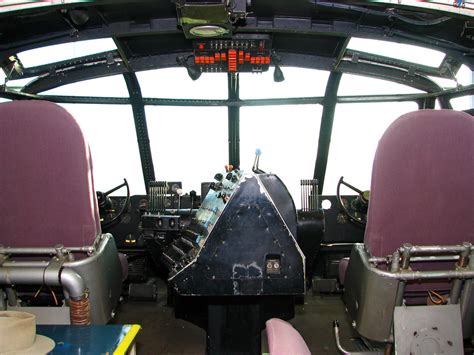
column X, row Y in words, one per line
column 255, row 168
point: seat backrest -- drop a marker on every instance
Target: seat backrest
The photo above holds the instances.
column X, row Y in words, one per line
column 47, row 191
column 422, row 188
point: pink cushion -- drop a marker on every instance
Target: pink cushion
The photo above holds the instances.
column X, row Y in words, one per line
column 48, row 195
column 422, row 182
column 283, row 339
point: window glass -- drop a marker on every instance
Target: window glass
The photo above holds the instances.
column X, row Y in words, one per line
column 462, row 103
column 18, row 83
column 110, row 131
column 443, row 82
column 175, row 83
column 188, row 144
column 406, row 52
column 356, row 131
column 465, row 77
column 362, row 85
column 65, row 51
column 113, row 86
column 299, row 82
column 288, row 139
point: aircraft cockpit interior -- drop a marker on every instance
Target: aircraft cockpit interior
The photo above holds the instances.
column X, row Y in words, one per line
column 237, row 177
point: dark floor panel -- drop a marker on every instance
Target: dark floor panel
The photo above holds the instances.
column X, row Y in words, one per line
column 163, row 334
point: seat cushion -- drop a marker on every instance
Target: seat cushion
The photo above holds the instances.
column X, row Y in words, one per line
column 283, row 339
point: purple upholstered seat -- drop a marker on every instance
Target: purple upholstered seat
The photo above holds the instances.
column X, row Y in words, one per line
column 48, row 194
column 283, row 339
column 422, row 183
column 47, row 189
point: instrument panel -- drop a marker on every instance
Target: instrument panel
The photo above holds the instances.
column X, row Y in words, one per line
column 238, row 54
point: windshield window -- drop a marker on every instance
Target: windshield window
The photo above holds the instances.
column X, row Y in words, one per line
column 362, row 85
column 288, row 139
column 188, row 144
column 175, row 83
column 356, row 131
column 109, row 86
column 110, row 131
column 465, row 77
column 299, row 82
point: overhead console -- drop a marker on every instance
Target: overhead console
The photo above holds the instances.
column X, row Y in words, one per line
column 241, row 53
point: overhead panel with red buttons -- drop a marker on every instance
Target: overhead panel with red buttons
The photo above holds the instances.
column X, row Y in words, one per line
column 242, row 53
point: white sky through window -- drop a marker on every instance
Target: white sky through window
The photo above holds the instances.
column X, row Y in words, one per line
column 405, row 52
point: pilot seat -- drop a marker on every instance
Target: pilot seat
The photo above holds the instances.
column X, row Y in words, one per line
column 410, row 282
column 52, row 251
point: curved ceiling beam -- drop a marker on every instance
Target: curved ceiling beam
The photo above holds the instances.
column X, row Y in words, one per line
column 104, row 68
column 75, row 75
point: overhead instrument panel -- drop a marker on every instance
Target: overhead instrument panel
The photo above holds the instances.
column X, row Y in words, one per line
column 237, row 54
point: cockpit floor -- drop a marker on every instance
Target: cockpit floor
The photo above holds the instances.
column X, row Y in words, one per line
column 163, row 334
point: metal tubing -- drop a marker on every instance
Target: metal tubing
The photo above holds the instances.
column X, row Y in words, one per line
column 381, row 260
column 400, row 292
column 466, row 292
column 455, row 291
column 440, row 249
column 11, row 296
column 415, row 275
column 15, row 263
column 395, row 266
column 336, row 337
column 405, row 255
column 430, row 275
column 68, row 279
column 344, row 351
column 73, row 283
column 42, row 251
